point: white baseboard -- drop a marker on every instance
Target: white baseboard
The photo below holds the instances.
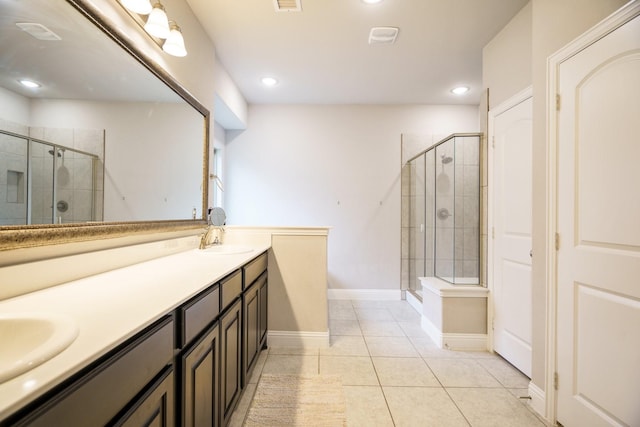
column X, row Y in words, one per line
column 434, row 333
column 414, row 302
column 459, row 342
column 365, row 294
column 298, row 339
column 538, row 399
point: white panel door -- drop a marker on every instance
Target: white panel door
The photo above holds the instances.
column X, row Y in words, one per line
column 598, row 261
column 511, row 222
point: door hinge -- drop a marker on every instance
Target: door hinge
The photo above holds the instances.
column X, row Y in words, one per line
column 493, row 142
column 493, row 232
column 493, row 323
column 555, row 380
column 557, row 102
column 557, row 241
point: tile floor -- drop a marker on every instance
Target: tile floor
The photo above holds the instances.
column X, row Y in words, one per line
column 394, row 375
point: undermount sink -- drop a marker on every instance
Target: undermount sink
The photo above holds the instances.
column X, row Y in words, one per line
column 30, row 339
column 226, row 249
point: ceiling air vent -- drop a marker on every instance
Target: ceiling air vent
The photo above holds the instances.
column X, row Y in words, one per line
column 38, row 31
column 287, row 5
column 383, row 35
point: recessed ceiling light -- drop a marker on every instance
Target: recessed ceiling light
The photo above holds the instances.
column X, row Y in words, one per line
column 29, row 83
column 372, row 1
column 269, row 81
column 460, row 90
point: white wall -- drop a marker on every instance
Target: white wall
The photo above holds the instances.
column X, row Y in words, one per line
column 338, row 166
column 506, row 59
column 13, row 107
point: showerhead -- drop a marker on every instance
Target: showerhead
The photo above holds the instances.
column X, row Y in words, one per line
column 446, row 159
column 60, row 152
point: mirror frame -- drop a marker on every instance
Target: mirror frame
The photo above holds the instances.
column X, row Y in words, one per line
column 30, row 236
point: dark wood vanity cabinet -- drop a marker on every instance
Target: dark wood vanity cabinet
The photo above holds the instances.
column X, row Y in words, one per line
column 255, row 324
column 187, row 369
column 200, row 368
column 231, row 360
column 134, row 383
column 199, row 359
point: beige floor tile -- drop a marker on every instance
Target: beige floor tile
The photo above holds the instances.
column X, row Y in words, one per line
column 404, row 371
column 461, row 373
column 504, row 372
column 344, row 327
column 342, row 303
column 286, row 364
column 413, row 329
column 375, row 328
column 390, row 347
column 237, row 418
column 354, row 370
column 379, row 314
column 404, row 313
column 366, row 407
column 295, row 351
column 493, row 407
column 369, row 304
column 343, row 345
column 422, row 406
column 341, row 311
column 428, row 349
column 257, row 370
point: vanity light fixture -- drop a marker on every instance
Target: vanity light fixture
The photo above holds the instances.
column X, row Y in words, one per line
column 141, row 7
column 174, row 45
column 157, row 23
column 269, row 81
column 29, row 83
column 460, row 90
column 372, row 1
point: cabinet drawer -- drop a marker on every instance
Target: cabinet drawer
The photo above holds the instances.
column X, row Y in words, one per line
column 196, row 315
column 254, row 269
column 230, row 289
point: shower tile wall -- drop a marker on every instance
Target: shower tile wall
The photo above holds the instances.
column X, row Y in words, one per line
column 467, row 207
column 13, row 175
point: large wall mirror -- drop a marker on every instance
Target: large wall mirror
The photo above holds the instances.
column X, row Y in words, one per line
column 105, row 143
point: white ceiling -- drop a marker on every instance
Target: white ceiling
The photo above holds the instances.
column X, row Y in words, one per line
column 84, row 64
column 321, row 55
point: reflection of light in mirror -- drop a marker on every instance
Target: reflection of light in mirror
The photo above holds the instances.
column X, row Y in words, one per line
column 29, row 83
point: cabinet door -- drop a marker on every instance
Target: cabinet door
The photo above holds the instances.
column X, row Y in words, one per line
column 263, row 295
column 200, row 370
column 230, row 345
column 155, row 408
column 250, row 332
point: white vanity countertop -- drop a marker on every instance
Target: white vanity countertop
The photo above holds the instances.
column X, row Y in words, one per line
column 111, row 307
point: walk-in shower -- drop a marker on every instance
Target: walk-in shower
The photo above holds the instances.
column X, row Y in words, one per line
column 45, row 182
column 441, row 213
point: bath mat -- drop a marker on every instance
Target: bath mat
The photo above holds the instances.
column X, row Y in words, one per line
column 297, row 400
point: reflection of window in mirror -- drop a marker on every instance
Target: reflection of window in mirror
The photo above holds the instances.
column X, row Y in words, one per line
column 217, row 177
